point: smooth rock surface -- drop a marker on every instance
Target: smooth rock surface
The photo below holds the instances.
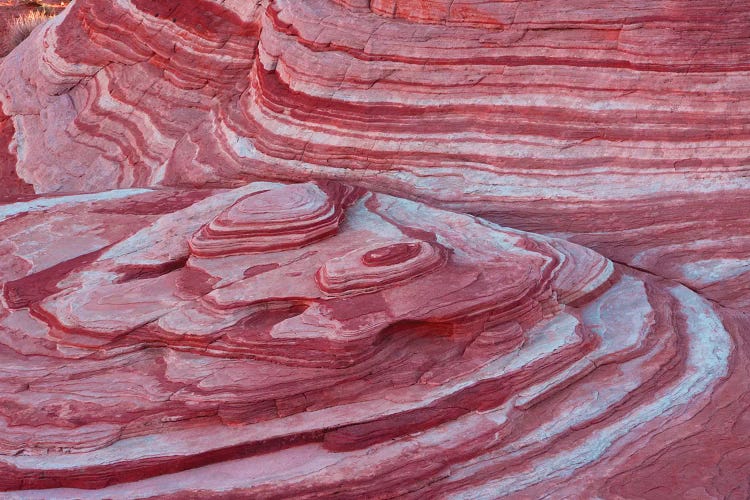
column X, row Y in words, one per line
column 546, row 116
column 408, row 351
column 376, row 249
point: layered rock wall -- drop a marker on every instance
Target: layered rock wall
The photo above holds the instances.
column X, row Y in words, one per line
column 543, row 116
column 377, row 248
column 404, row 351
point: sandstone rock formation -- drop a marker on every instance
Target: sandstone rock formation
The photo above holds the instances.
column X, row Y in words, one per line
column 523, row 112
column 444, row 248
column 395, row 349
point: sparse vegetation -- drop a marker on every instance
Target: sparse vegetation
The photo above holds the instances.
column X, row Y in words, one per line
column 36, row 3
column 22, row 27
column 19, row 28
column 49, row 8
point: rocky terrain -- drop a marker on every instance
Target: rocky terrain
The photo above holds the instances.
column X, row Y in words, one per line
column 386, row 248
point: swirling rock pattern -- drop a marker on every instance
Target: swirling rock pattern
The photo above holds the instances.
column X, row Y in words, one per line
column 182, row 317
column 410, row 352
column 270, row 221
column 522, row 112
column 378, row 266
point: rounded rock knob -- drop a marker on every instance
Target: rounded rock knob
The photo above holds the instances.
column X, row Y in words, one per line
column 379, row 266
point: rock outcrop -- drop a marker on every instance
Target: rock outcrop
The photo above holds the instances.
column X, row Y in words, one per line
column 377, row 248
column 523, row 112
column 406, row 350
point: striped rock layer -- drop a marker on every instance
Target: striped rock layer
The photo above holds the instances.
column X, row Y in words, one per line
column 409, row 352
column 175, row 321
column 546, row 116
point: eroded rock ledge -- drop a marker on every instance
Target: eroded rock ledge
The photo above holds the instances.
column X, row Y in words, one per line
column 622, row 127
column 249, row 267
column 403, row 349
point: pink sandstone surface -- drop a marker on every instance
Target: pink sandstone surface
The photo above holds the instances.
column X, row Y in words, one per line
column 351, row 248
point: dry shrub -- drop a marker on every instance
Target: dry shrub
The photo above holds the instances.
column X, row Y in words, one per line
column 52, row 7
column 20, row 29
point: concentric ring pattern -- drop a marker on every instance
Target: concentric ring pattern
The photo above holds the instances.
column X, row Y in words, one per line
column 377, row 249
